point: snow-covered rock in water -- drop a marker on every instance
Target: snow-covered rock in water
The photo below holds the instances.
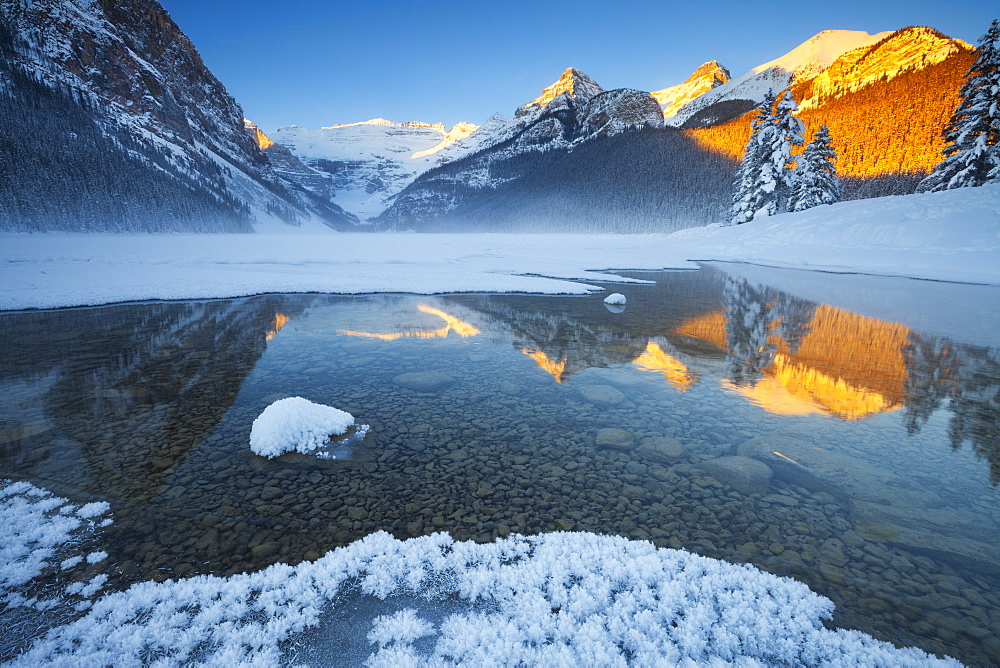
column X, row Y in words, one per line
column 298, row 425
column 615, row 298
column 554, row 599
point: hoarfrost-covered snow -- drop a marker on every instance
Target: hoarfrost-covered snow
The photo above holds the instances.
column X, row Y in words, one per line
column 298, row 425
column 950, row 236
column 616, row 298
column 40, row 531
column 554, row 599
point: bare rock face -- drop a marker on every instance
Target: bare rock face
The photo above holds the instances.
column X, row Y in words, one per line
column 618, row 111
column 743, row 474
column 572, row 83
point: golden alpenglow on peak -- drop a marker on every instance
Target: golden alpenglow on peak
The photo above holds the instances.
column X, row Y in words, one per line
column 574, row 83
column 901, row 51
column 711, row 70
column 263, row 141
column 708, row 76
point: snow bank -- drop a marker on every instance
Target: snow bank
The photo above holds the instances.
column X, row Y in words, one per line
column 298, row 425
column 617, row 299
column 951, row 236
column 556, row 599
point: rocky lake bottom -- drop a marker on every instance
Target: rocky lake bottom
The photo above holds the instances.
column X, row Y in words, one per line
column 854, row 454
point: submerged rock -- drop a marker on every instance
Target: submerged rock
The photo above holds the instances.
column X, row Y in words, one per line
column 602, row 394
column 617, row 439
column 661, row 449
column 424, row 381
column 743, row 474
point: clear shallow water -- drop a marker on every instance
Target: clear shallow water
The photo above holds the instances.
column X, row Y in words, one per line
column 486, row 414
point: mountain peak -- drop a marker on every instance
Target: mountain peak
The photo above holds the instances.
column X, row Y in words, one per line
column 572, row 82
column 712, row 69
column 911, row 48
column 706, row 77
column 263, row 141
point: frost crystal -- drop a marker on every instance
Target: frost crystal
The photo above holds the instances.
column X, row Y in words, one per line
column 554, row 599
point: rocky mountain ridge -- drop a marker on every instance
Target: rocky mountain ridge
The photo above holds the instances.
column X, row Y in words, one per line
column 708, row 76
column 846, row 79
column 167, row 137
column 128, row 130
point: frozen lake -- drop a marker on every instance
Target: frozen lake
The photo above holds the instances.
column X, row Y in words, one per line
column 853, row 445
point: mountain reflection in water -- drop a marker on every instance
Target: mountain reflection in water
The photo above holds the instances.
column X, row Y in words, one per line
column 150, row 407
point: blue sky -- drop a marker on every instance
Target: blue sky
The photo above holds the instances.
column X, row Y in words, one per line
column 319, row 62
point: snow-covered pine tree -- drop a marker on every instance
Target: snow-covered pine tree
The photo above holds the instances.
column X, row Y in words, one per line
column 789, row 134
column 750, row 191
column 764, row 181
column 972, row 156
column 816, row 180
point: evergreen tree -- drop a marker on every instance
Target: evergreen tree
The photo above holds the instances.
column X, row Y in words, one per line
column 816, row 180
column 972, row 156
column 751, row 190
column 764, row 180
column 789, row 134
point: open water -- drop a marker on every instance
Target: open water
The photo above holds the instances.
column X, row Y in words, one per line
column 856, row 451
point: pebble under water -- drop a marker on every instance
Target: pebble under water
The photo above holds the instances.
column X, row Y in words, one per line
column 858, row 455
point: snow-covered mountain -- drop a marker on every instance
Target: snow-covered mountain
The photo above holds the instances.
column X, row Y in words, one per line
column 117, row 124
column 804, row 62
column 885, row 103
column 572, row 83
column 830, row 64
column 896, row 53
column 534, row 171
column 708, row 76
column 368, row 163
column 571, row 112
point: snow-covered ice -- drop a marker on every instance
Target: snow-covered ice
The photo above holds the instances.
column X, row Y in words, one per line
column 615, row 298
column 950, row 236
column 298, row 425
